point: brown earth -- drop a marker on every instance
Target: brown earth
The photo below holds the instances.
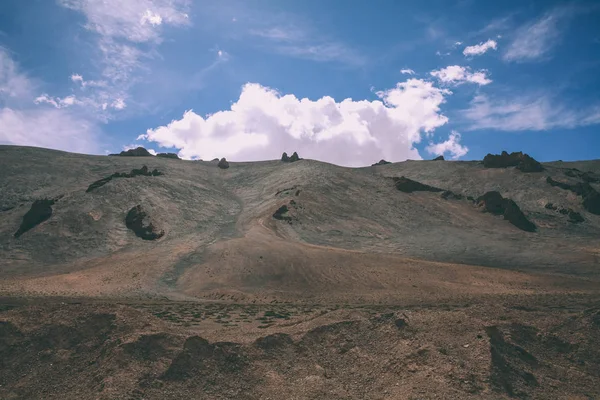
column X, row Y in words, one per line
column 358, row 291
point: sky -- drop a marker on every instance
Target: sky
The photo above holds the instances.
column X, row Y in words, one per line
column 348, row 83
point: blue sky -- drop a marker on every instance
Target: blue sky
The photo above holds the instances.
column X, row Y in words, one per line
column 338, row 81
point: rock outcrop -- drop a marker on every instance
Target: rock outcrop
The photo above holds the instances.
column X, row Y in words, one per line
column 522, row 162
column 591, row 197
column 494, row 203
column 407, row 185
column 293, row 158
column 142, row 225
column 589, row 177
column 223, row 163
column 574, row 216
column 168, row 155
column 137, row 152
column 40, row 211
column 439, row 158
column 447, row 194
column 281, row 214
column 381, row 162
column 144, row 171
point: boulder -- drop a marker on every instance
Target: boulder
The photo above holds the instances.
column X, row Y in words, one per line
column 281, row 212
column 223, row 164
column 137, row 152
column 294, row 157
column 141, row 224
column 522, row 162
column 380, row 162
column 284, row 157
column 439, row 158
column 40, row 211
column 168, row 155
column 575, row 217
column 494, row 203
column 550, row 206
column 407, row 185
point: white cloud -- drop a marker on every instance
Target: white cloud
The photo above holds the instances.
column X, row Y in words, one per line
column 13, row 84
column 452, row 146
column 534, row 40
column 407, row 71
column 481, row 48
column 456, row 75
column 127, row 34
column 22, row 123
column 56, row 102
column 263, row 123
column 534, row 112
column 50, row 128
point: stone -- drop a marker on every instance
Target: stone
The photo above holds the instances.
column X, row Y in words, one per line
column 223, row 164
column 407, row 185
column 144, row 171
column 380, row 162
column 137, row 152
column 494, row 203
column 141, row 224
column 439, row 158
column 294, row 157
column 168, row 155
column 40, row 211
column 522, row 162
column 284, row 157
column 281, row 212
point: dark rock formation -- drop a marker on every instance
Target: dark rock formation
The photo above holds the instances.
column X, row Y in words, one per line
column 281, row 212
column 381, row 162
column 214, row 160
column 223, row 164
column 439, row 158
column 589, row 177
column 451, row 195
column 523, row 162
column 591, row 197
column 550, row 206
column 407, row 185
column 293, row 158
column 494, row 203
column 575, row 217
column 141, row 224
column 144, row 171
column 168, row 155
column 137, row 152
column 40, row 211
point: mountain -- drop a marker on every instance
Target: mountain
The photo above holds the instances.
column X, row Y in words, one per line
column 311, row 248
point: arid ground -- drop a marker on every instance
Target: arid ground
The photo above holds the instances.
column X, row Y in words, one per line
column 357, row 289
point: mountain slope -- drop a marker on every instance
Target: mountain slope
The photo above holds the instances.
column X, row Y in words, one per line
column 351, row 234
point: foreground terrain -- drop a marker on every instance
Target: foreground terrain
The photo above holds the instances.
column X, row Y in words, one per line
column 153, row 277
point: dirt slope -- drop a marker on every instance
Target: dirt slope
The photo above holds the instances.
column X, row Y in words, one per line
column 221, row 238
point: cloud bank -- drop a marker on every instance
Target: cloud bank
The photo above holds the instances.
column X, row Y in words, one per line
column 452, row 146
column 263, row 123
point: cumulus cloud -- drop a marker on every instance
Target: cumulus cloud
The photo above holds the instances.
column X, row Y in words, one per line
column 456, row 75
column 481, row 48
column 532, row 112
column 407, row 71
column 452, row 146
column 263, row 123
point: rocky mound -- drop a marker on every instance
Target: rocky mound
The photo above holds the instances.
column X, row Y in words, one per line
column 40, row 211
column 168, row 155
column 223, row 163
column 494, row 203
column 439, row 158
column 293, row 158
column 451, row 195
column 137, row 152
column 282, row 214
column 407, row 185
column 574, row 216
column 381, row 162
column 589, row 177
column 144, row 171
column 591, row 197
column 141, row 224
column 522, row 162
